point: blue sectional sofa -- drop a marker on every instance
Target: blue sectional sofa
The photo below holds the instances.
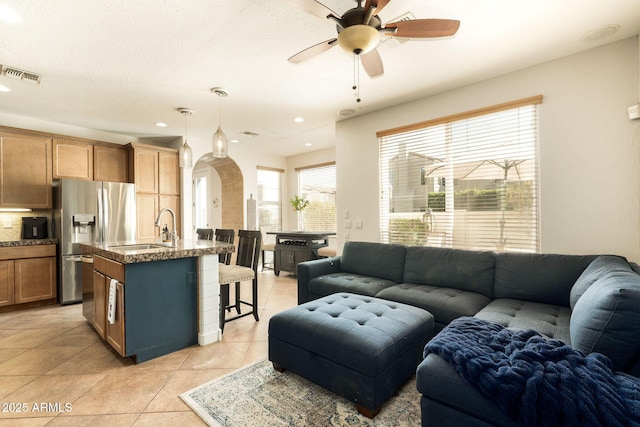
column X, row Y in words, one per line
column 590, row 302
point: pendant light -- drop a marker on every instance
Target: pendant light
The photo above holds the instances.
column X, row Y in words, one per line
column 186, row 155
column 220, row 142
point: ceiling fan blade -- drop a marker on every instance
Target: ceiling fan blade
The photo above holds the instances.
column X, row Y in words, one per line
column 372, row 63
column 314, row 8
column 378, row 4
column 313, row 51
column 423, row 28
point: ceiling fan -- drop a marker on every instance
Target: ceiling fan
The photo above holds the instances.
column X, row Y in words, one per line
column 359, row 31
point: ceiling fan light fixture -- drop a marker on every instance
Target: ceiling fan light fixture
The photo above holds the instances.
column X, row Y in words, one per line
column 359, row 39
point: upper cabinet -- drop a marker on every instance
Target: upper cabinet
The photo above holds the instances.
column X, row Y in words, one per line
column 145, row 169
column 110, row 163
column 72, row 160
column 25, row 171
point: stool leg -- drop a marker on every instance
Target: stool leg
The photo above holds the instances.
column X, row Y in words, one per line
column 238, row 297
column 255, row 298
column 224, row 301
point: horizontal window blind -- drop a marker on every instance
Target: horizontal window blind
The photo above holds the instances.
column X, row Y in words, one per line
column 467, row 182
column 269, row 199
column 318, row 185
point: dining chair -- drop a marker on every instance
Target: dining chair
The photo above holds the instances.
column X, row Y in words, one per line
column 226, row 235
column 204, row 233
column 245, row 269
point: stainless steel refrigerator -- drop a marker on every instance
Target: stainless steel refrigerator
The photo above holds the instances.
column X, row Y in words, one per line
column 84, row 212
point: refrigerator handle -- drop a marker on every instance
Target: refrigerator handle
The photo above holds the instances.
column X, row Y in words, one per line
column 100, row 221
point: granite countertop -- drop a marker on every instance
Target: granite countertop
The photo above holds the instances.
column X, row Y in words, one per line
column 135, row 251
column 28, row 242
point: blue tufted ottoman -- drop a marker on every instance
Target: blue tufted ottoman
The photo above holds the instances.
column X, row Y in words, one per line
column 359, row 347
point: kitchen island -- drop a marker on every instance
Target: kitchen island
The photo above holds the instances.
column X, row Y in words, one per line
column 149, row 299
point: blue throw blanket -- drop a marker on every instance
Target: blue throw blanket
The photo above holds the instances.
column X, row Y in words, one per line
column 535, row 381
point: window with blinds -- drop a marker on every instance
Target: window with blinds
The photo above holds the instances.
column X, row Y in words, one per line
column 317, row 184
column 269, row 199
column 466, row 181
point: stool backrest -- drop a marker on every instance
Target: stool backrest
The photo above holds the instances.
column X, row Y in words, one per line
column 249, row 243
column 204, row 233
column 226, row 235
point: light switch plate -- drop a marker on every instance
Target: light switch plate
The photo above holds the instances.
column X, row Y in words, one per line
column 7, row 223
column 358, row 223
column 347, row 223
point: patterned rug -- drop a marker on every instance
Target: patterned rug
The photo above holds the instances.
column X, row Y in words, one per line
column 260, row 396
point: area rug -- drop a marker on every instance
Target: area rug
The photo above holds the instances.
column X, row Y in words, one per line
column 260, row 396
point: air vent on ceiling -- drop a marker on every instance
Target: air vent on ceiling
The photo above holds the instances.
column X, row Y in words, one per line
column 16, row 73
column 387, row 42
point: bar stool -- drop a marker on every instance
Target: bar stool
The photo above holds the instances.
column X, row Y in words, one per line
column 245, row 269
column 204, row 233
column 225, row 235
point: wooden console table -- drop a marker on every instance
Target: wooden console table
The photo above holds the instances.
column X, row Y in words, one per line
column 293, row 247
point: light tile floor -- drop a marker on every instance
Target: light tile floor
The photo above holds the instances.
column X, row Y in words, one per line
column 55, row 367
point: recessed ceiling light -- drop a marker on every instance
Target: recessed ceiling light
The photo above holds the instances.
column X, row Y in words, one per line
column 161, row 124
column 600, row 33
column 249, row 133
column 346, row 112
column 299, row 119
column 235, row 141
column 308, row 144
column 9, row 15
column 4, row 89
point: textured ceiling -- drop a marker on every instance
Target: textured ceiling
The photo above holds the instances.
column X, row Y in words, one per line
column 120, row 65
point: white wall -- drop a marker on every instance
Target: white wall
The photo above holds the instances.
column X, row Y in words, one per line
column 589, row 149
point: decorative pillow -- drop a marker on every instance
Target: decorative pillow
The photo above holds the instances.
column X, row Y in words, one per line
column 594, row 271
column 606, row 319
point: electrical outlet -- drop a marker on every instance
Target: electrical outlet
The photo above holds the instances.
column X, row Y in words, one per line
column 347, row 223
column 346, row 237
column 7, row 223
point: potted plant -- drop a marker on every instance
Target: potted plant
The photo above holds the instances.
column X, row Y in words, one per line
column 299, row 203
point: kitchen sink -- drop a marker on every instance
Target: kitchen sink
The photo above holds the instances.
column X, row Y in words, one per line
column 138, row 247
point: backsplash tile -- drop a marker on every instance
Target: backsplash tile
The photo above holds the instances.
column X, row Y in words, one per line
column 15, row 218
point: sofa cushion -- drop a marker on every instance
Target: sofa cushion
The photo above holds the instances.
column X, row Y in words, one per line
column 385, row 261
column 451, row 268
column 606, row 319
column 543, row 278
column 551, row 321
column 347, row 282
column 445, row 304
column 598, row 268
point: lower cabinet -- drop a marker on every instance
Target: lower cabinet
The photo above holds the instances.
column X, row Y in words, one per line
column 288, row 257
column 155, row 312
column 27, row 274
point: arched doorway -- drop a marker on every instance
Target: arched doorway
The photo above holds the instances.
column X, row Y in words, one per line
column 224, row 196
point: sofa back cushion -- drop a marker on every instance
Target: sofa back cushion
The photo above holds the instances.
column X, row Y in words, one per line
column 450, row 268
column 543, row 278
column 606, row 320
column 373, row 259
column 598, row 268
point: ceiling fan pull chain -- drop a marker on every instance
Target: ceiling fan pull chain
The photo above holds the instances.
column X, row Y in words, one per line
column 356, row 76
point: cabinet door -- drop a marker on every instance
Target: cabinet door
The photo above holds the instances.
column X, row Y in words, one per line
column 6, row 283
column 146, row 212
column 72, row 160
column 168, row 173
column 146, row 170
column 25, row 172
column 115, row 330
column 35, row 279
column 110, row 164
column 99, row 303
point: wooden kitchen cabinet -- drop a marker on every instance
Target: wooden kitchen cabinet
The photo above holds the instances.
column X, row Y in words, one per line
column 25, row 171
column 110, row 164
column 27, row 274
column 156, row 174
column 99, row 304
column 72, row 160
column 6, row 283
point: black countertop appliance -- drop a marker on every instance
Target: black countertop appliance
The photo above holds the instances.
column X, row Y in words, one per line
column 34, row 227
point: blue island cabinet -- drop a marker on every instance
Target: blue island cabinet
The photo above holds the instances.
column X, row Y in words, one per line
column 156, row 306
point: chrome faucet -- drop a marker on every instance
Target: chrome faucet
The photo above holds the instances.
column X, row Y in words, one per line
column 174, row 232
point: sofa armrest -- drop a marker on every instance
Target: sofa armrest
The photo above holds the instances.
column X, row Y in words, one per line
column 310, row 269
